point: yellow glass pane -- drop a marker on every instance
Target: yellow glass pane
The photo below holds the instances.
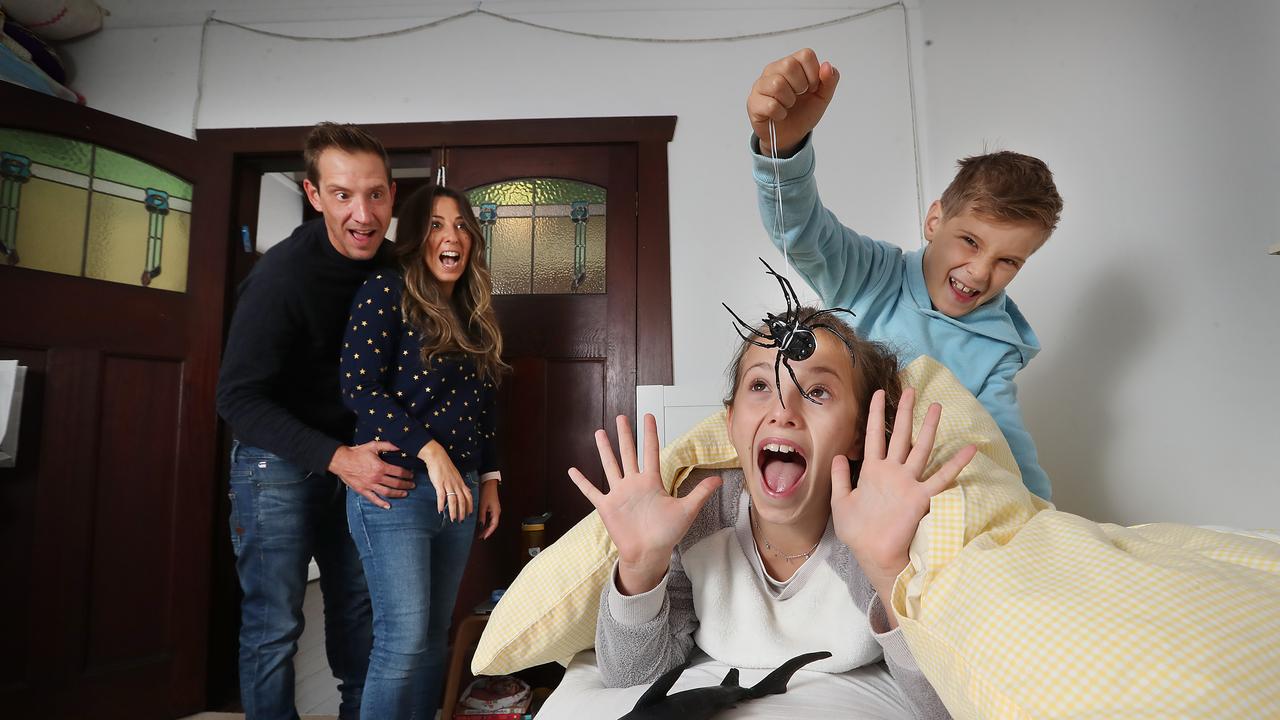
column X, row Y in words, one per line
column 553, row 255
column 50, row 233
column 176, row 249
column 553, row 266
column 594, row 282
column 117, row 248
column 512, row 246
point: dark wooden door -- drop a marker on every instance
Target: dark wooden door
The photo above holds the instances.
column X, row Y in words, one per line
column 573, row 354
column 106, row 517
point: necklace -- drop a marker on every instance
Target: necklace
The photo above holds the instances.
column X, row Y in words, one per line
column 767, row 546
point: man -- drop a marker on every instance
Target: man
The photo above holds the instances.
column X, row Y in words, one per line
column 290, row 462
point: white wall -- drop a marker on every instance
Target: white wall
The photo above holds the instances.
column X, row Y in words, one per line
column 1155, row 300
column 485, row 68
column 1156, row 396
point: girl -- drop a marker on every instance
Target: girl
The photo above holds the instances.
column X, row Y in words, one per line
column 420, row 360
column 791, row 553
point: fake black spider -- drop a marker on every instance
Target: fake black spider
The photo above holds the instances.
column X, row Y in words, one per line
column 790, row 333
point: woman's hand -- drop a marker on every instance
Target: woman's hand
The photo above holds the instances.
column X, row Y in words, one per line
column 451, row 489
column 878, row 519
column 644, row 522
column 490, row 508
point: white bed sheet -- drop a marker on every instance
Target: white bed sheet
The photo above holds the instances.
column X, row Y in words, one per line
column 867, row 693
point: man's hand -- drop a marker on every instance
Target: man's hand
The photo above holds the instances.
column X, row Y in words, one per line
column 364, row 472
column 794, row 93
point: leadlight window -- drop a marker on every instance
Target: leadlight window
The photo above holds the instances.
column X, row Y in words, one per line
column 76, row 208
column 543, row 235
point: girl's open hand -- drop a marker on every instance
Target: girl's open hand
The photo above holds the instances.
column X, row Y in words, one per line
column 878, row 519
column 644, row 522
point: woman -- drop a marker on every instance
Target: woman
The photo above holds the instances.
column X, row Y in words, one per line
column 420, row 360
column 784, row 556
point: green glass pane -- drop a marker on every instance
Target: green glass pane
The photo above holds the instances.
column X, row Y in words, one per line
column 513, row 192
column 552, row 191
column 512, row 254
column 47, row 149
column 113, row 166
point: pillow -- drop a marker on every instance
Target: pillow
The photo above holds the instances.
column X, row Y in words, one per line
column 1016, row 610
column 549, row 613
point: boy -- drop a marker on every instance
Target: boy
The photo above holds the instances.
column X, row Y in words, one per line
column 947, row 300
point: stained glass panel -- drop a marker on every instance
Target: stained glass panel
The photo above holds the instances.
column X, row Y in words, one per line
column 512, row 256
column 51, row 227
column 558, row 248
column 117, row 168
column 48, row 150
column 552, row 255
column 553, row 191
column 78, row 209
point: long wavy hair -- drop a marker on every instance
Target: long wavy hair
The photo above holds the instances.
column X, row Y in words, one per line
column 463, row 322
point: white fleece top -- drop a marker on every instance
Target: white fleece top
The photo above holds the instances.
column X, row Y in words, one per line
column 716, row 594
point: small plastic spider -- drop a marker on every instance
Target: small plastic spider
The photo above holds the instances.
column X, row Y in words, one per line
column 790, row 333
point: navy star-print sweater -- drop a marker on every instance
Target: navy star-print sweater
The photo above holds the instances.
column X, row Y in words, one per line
column 397, row 400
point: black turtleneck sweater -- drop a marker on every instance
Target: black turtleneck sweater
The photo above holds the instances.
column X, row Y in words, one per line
column 278, row 387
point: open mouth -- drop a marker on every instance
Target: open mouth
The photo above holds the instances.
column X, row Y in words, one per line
column 450, row 260
column 782, row 466
column 964, row 291
column 361, row 236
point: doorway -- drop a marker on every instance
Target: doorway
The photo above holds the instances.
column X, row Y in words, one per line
column 576, row 211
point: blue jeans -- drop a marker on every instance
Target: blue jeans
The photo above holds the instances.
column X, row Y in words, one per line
column 414, row 557
column 282, row 516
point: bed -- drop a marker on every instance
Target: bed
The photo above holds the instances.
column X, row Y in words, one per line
column 866, row 693
column 1011, row 607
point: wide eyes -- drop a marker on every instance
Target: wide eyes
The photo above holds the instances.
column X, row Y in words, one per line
column 758, row 386
column 344, row 196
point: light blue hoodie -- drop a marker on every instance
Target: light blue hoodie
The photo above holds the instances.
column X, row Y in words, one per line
column 885, row 289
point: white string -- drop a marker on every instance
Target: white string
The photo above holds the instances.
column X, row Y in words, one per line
column 779, row 220
column 915, row 124
column 595, row 36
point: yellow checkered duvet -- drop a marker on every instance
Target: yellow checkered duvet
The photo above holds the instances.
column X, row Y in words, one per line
column 1012, row 608
column 1016, row 610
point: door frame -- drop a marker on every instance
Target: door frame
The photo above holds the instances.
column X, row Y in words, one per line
column 57, row 652
column 235, row 148
column 242, row 154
